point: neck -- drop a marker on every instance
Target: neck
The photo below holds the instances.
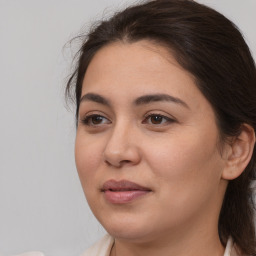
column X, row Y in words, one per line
column 197, row 238
column 190, row 246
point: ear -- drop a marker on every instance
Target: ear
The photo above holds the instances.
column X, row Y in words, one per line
column 239, row 153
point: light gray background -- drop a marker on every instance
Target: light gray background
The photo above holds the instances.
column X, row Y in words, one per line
column 42, row 206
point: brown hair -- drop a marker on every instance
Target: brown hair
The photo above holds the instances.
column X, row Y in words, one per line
column 210, row 47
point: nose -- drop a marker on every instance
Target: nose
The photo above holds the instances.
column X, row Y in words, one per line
column 122, row 147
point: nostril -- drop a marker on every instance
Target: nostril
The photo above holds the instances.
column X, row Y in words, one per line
column 108, row 163
column 125, row 161
column 118, row 164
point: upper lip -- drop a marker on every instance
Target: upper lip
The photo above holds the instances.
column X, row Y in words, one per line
column 122, row 185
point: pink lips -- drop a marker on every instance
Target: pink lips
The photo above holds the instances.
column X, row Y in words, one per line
column 120, row 192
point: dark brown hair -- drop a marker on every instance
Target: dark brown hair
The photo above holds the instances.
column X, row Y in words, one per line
column 212, row 49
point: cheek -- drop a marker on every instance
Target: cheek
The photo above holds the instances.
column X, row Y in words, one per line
column 87, row 156
column 186, row 161
column 188, row 173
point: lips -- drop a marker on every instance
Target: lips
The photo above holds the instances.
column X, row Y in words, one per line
column 120, row 192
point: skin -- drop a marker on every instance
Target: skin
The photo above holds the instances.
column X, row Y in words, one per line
column 176, row 155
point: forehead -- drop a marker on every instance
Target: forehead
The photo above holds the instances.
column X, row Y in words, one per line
column 141, row 65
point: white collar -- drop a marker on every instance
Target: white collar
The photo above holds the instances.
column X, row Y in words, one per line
column 230, row 248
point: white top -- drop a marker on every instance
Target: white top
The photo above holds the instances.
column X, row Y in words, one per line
column 31, row 254
column 103, row 247
column 28, row 254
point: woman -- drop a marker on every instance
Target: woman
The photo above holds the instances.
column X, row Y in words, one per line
column 166, row 118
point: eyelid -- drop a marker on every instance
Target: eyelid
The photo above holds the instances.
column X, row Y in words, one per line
column 160, row 113
column 85, row 120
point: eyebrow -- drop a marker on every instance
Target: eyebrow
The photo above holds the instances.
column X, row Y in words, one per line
column 95, row 98
column 145, row 99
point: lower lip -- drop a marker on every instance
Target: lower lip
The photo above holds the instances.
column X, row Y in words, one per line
column 122, row 197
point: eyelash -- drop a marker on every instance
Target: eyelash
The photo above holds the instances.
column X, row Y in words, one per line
column 168, row 119
column 88, row 119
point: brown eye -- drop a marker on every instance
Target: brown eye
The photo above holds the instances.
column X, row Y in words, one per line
column 156, row 119
column 95, row 120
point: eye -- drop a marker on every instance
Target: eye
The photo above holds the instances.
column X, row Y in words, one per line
column 95, row 120
column 157, row 119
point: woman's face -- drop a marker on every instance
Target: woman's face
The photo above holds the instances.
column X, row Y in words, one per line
column 147, row 148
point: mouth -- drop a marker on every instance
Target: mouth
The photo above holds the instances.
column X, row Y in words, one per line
column 121, row 192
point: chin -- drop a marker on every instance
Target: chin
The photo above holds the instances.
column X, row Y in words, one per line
column 128, row 229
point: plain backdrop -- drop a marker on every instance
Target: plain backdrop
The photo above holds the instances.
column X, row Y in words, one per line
column 42, row 206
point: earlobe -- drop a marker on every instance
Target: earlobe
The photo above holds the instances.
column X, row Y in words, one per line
column 239, row 153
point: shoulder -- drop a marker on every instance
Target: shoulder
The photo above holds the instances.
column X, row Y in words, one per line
column 31, row 254
column 100, row 248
